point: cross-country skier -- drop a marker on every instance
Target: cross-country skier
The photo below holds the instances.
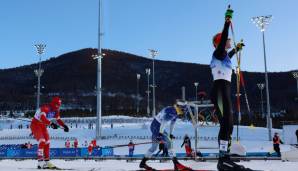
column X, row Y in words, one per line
column 221, row 67
column 166, row 115
column 39, row 123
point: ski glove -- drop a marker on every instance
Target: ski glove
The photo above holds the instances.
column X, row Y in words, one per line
column 240, row 46
column 66, row 129
column 159, row 137
column 229, row 13
column 172, row 136
column 54, row 126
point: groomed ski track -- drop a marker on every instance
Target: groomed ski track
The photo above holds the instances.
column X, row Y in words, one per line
column 123, row 165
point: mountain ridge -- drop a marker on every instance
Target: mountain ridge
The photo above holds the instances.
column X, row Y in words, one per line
column 73, row 76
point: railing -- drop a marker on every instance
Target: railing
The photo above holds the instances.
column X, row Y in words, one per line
column 115, row 136
column 107, row 120
column 30, row 137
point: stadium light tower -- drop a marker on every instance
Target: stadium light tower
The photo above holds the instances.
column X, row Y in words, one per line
column 261, row 87
column 196, row 85
column 261, row 22
column 295, row 75
column 153, row 53
column 148, row 90
column 38, row 72
column 138, row 94
column 99, row 57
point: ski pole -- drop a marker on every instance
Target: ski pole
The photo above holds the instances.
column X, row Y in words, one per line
column 124, row 145
column 238, row 76
column 246, row 99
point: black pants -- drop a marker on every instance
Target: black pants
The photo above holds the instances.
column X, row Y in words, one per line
column 277, row 149
column 221, row 98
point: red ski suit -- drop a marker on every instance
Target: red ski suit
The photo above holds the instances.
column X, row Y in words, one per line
column 39, row 130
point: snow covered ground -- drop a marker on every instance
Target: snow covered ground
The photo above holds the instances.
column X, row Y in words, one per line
column 253, row 138
column 117, row 165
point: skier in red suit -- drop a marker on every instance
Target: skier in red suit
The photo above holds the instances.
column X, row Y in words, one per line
column 43, row 118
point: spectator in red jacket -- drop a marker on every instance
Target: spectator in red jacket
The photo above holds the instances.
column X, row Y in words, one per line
column 90, row 148
column 94, row 143
column 187, row 146
column 75, row 143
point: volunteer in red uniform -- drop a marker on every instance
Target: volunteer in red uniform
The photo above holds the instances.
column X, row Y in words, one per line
column 94, row 143
column 90, row 148
column 187, row 145
column 276, row 142
column 40, row 121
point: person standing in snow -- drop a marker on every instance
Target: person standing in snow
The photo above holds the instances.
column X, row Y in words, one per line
column 67, row 143
column 187, row 146
column 131, row 148
column 90, row 148
column 276, row 142
column 75, row 143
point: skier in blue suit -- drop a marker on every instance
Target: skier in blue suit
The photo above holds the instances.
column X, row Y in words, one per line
column 167, row 115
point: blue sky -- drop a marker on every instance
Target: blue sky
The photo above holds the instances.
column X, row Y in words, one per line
column 181, row 30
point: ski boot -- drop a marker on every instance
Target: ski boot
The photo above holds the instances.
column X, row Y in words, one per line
column 180, row 167
column 49, row 165
column 226, row 164
column 143, row 165
column 41, row 164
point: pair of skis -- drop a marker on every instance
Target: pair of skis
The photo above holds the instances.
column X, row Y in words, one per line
column 177, row 167
column 180, row 167
column 189, row 169
column 175, row 170
column 52, row 168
